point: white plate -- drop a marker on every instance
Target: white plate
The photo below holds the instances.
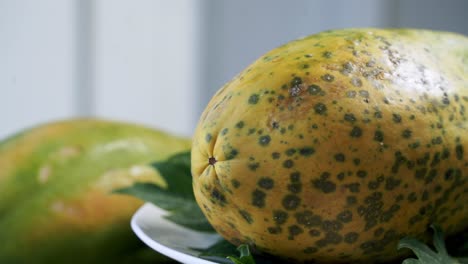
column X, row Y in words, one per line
column 170, row 239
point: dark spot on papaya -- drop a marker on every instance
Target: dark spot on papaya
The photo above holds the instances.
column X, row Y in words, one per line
column 295, row 176
column 373, row 198
column 414, row 145
column 378, row 232
column 274, row 230
column 406, row 133
column 438, row 188
column 348, row 67
column 340, row 157
column 340, row 176
column 445, row 101
column 370, row 222
column 266, row 183
column 445, row 154
column 424, row 160
column 295, row 187
column 246, row 215
column 253, row 99
column 320, row 108
column 349, row 117
column 430, row 176
column 378, row 136
column 378, row 114
column 315, row 90
column 373, row 185
column 351, row 237
column 253, row 166
column 356, row 82
column 353, row 187
column 436, row 140
column 351, row 94
column 275, row 155
column 425, row 196
column 328, row 77
column 324, row 184
column 310, row 250
column 327, row 54
column 399, row 160
column 351, row 200
column 308, row 219
column 396, row 118
column 264, row 140
column 333, row 238
column 361, row 173
column 208, row 138
column 218, row 196
column 414, row 219
column 391, row 183
column 356, row 132
column 364, row 93
column 306, row 151
column 314, row 233
column 459, row 152
column 448, row 175
column 295, row 91
column 420, row 173
column 422, row 210
column 291, row 202
column 280, row 217
column 231, row 154
column 345, row 216
column 224, row 131
column 294, row 230
column 235, row 183
column 275, row 125
column 240, row 124
column 258, row 198
column 290, row 152
column 296, row 81
column 288, row 164
column 357, row 161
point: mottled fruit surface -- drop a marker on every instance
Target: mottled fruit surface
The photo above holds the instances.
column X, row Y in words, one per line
column 56, row 190
column 333, row 147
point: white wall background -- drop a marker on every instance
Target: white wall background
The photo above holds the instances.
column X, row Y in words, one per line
column 158, row 62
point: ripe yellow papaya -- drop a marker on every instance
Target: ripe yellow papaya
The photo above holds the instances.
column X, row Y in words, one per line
column 56, row 190
column 332, row 147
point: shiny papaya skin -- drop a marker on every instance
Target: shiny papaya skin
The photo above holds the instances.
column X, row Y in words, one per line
column 56, row 190
column 332, row 147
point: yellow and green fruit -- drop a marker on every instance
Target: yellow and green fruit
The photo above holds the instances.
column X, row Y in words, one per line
column 56, row 190
column 333, row 147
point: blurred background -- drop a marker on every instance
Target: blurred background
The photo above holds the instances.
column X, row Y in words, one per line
column 158, row 62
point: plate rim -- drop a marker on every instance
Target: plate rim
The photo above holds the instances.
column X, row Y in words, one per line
column 162, row 249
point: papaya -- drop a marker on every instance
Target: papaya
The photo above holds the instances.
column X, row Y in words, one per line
column 333, row 147
column 57, row 179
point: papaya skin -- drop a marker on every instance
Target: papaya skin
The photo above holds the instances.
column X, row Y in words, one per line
column 332, row 147
column 56, row 190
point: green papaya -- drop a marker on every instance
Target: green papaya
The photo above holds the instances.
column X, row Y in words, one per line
column 56, row 190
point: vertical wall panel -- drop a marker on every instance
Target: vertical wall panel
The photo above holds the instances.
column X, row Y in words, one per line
column 238, row 32
column 36, row 62
column 146, row 69
column 448, row 15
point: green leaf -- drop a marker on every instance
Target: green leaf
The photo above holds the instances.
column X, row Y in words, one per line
column 218, row 252
column 177, row 198
column 245, row 256
column 425, row 254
